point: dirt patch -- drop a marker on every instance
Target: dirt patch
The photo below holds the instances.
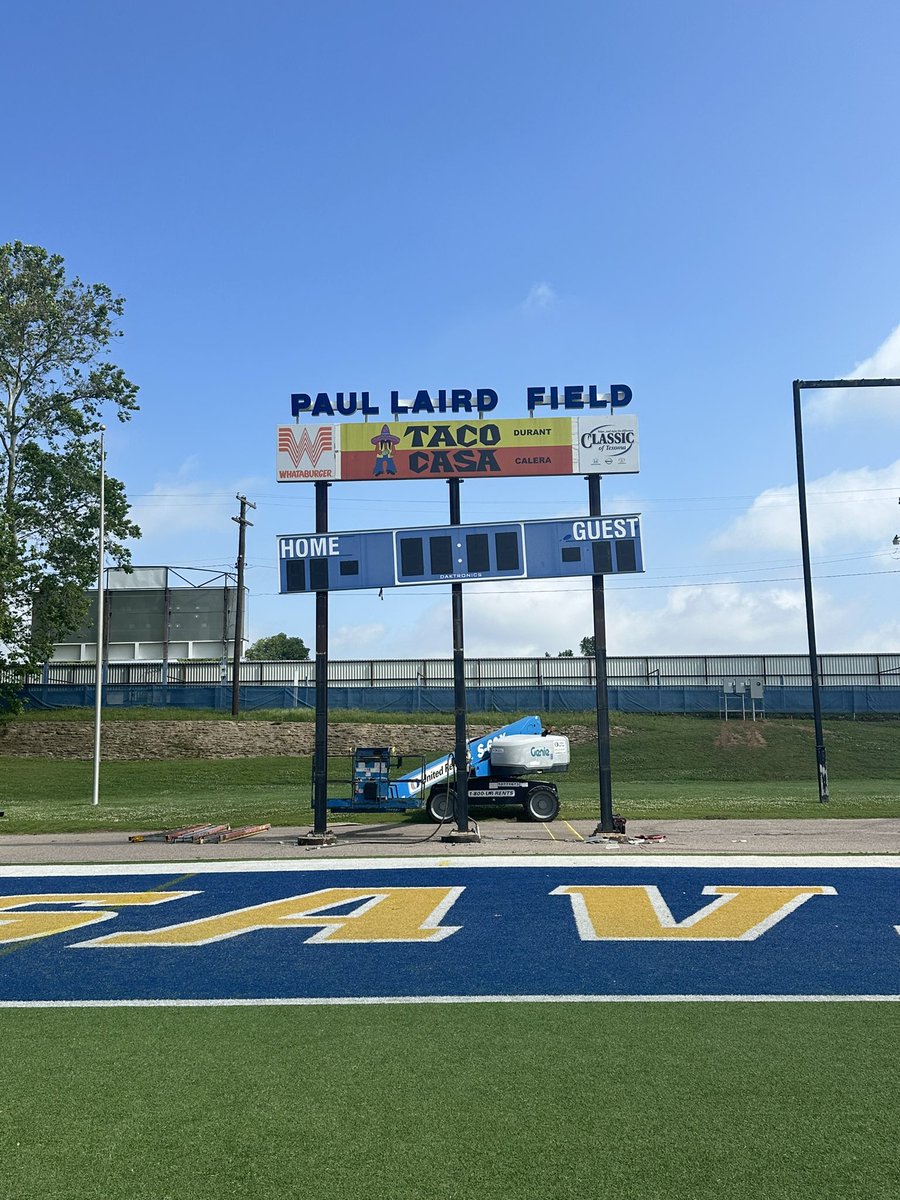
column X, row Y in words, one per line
column 739, row 733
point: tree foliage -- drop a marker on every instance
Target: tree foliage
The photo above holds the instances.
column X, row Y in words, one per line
column 587, row 646
column 55, row 383
column 278, row 646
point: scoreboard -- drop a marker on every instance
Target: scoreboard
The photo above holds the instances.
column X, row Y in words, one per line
column 318, row 562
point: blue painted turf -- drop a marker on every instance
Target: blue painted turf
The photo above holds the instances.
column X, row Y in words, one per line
column 515, row 939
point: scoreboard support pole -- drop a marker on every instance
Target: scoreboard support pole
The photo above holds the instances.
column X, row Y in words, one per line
column 598, row 597
column 320, row 751
column 463, row 831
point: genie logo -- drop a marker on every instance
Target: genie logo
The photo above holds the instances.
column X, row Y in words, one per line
column 541, row 752
column 612, row 439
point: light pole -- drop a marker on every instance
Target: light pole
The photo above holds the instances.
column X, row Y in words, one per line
column 98, row 668
column 799, row 386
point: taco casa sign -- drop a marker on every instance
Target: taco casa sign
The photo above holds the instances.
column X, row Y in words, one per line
column 605, row 442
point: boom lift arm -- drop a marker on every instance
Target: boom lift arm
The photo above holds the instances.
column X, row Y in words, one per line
column 496, row 764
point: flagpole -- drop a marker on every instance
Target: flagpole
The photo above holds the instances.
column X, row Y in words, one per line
column 98, row 681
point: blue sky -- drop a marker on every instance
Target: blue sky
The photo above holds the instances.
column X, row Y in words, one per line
column 698, row 199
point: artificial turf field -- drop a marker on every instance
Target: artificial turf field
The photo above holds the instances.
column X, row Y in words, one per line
column 451, row 1102
column 457, row 1100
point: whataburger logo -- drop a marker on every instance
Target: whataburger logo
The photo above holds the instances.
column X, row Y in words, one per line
column 304, row 446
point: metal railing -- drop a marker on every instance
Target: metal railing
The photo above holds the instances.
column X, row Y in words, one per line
column 775, row 670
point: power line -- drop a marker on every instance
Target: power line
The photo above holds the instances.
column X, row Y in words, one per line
column 280, row 499
column 692, row 569
column 483, row 591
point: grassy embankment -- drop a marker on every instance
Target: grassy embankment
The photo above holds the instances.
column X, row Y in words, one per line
column 663, row 767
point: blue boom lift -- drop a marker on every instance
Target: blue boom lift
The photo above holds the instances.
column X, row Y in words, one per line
column 508, row 766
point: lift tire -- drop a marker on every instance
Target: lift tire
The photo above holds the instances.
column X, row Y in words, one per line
column 439, row 805
column 542, row 804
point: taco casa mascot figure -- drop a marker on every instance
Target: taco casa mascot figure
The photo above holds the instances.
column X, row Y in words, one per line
column 384, row 445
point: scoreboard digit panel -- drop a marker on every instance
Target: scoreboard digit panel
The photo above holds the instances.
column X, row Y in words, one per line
column 585, row 546
column 335, row 562
column 460, row 552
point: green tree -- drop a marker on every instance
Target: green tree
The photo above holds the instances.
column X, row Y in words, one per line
column 278, row 646
column 55, row 382
column 587, row 647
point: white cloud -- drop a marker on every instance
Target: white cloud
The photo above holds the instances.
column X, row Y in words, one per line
column 540, row 296
column 707, row 619
column 877, row 639
column 178, row 507
column 533, row 618
column 357, row 641
column 853, row 508
column 837, row 404
column 686, row 620
column 179, row 504
column 542, row 616
column 704, row 619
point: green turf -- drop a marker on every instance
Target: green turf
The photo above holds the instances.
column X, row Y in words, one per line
column 455, row 1102
column 663, row 767
column 53, row 795
column 692, row 800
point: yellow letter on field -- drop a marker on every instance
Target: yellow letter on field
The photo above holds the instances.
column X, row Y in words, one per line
column 22, row 926
column 639, row 913
column 397, row 914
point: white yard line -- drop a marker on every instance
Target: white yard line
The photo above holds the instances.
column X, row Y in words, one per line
column 308, row 1001
column 561, row 861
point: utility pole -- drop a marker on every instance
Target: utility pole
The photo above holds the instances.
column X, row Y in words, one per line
column 242, row 522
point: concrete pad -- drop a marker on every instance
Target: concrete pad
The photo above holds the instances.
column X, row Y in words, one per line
column 504, row 836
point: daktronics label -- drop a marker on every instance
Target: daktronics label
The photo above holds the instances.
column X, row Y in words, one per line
column 483, row 448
